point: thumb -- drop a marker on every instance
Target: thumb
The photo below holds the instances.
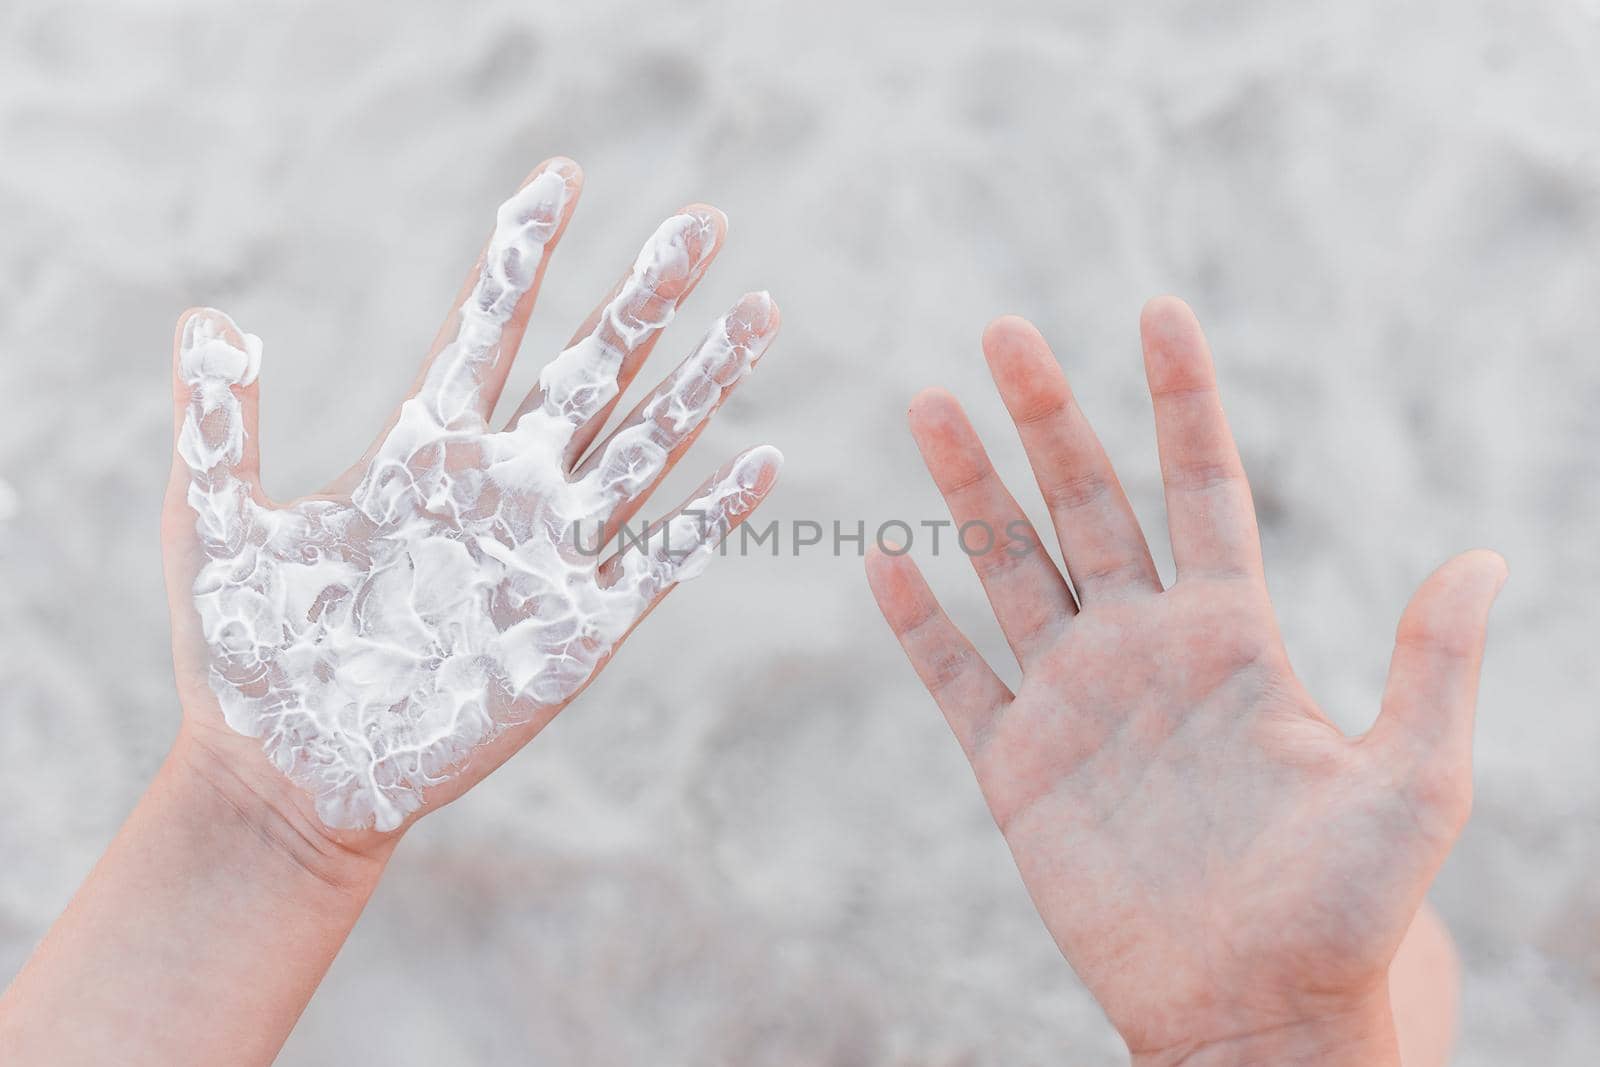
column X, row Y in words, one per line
column 215, row 399
column 1429, row 701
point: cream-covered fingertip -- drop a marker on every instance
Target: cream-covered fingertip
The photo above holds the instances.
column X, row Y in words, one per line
column 758, row 468
column 211, row 347
column 565, row 166
column 751, row 324
column 700, row 228
column 757, row 312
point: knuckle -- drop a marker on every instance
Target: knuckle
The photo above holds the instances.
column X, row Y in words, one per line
column 1046, row 405
column 1435, row 637
column 1076, row 491
column 943, row 669
column 1203, row 475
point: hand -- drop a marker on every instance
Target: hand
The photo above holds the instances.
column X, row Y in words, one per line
column 353, row 659
column 1228, row 874
column 393, row 638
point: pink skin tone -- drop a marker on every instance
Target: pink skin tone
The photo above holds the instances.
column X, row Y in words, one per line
column 1159, row 775
column 204, row 930
column 1229, row 875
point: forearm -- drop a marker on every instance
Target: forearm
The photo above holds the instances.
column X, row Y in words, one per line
column 198, row 937
column 1361, row 1037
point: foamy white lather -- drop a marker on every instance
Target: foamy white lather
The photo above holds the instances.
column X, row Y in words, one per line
column 372, row 642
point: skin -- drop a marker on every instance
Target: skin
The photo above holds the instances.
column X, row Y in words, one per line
column 1228, row 874
column 204, row 930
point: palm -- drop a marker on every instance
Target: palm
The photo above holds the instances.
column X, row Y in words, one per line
column 1205, row 847
column 1179, row 777
column 374, row 639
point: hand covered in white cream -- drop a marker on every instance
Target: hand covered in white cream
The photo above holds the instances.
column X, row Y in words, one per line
column 392, row 639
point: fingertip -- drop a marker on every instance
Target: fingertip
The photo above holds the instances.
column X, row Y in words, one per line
column 932, row 406
column 1176, row 356
column 1503, row 576
column 547, row 196
column 1023, row 367
column 565, row 166
column 1007, row 331
column 1167, row 316
column 197, row 318
column 180, row 343
column 768, row 459
column 750, row 477
column 872, row 558
column 883, row 549
column 209, row 344
column 571, row 178
column 1477, row 567
column 695, row 232
column 182, row 325
column 711, row 217
column 759, row 312
column 1483, row 563
column 1450, row 609
column 1493, row 563
column 885, row 571
column 903, row 596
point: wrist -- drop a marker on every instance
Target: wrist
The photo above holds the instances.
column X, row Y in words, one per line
column 1362, row 1034
column 253, row 815
column 201, row 933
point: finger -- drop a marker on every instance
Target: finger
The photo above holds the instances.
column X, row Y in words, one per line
column 1209, row 513
column 536, row 651
column 462, row 381
column 964, row 686
column 215, row 399
column 1429, row 701
column 1102, row 544
column 681, row 545
column 621, row 474
column 578, row 389
column 1030, row 598
column 549, row 658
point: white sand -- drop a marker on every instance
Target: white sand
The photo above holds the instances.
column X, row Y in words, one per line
column 1390, row 222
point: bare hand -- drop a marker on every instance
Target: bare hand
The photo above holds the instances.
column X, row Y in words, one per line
column 1222, row 867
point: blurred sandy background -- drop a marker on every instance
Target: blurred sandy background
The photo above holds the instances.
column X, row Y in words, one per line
column 753, row 841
